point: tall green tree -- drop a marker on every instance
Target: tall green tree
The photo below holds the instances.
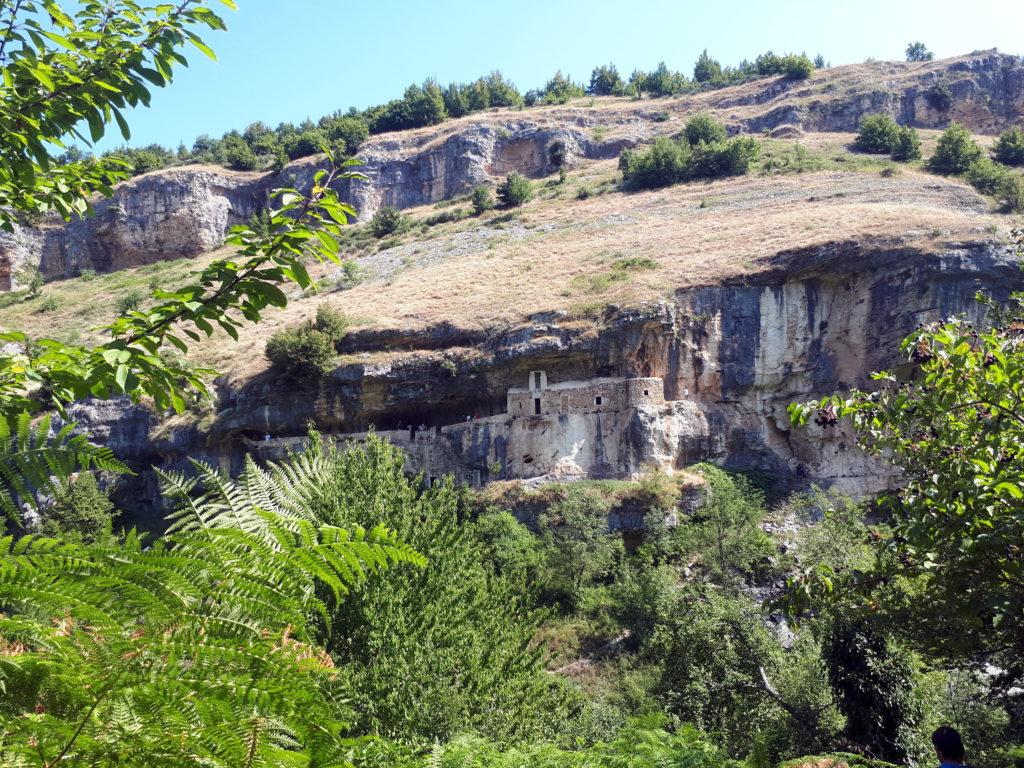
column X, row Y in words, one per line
column 436, row 652
column 949, row 570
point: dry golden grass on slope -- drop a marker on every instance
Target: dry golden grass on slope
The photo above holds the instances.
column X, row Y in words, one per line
column 564, row 253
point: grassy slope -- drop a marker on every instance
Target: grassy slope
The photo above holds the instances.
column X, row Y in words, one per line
column 562, row 252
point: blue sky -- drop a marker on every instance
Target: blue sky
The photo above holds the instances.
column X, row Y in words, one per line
column 291, row 59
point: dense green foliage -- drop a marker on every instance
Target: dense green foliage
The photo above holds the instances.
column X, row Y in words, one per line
column 196, row 649
column 878, row 134
column 1009, row 147
column 515, row 191
column 80, row 512
column 701, row 153
column 704, row 129
column 956, row 151
column 918, row 52
column 385, row 221
column 605, row 80
column 306, row 353
column 405, row 636
column 955, row 432
column 907, row 145
column 482, row 200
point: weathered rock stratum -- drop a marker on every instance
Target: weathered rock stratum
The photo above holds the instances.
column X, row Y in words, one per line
column 184, row 212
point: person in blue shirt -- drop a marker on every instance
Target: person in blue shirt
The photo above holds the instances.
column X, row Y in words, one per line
column 949, row 747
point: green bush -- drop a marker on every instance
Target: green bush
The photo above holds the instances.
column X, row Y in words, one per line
column 704, row 129
column 432, row 653
column 304, row 144
column 308, row 351
column 50, row 304
column 346, row 133
column 872, row 681
column 706, row 68
column 482, row 199
column 386, row 221
column 797, row 67
column 28, row 276
column 918, row 52
column 81, row 512
column 239, row 157
column 1010, row 193
column 986, row 176
column 668, row 162
column 907, row 145
column 130, row 301
column 878, row 135
column 1009, row 147
column 729, row 158
column 662, row 164
column 956, row 151
column 515, row 191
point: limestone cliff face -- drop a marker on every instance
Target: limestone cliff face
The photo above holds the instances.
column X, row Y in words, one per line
column 986, row 89
column 186, row 211
column 408, row 172
column 730, row 359
column 171, row 214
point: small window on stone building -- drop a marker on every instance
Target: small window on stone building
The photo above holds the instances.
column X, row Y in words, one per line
column 646, row 393
column 536, row 380
column 536, row 405
column 597, row 400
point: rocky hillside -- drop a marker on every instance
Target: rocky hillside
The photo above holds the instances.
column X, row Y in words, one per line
column 738, row 295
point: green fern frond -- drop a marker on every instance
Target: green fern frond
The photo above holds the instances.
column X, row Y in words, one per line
column 35, row 464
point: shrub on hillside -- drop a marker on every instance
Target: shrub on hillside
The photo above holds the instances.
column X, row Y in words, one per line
column 668, row 162
column 986, row 176
column 907, row 145
column 706, row 68
column 304, row 144
column 345, row 133
column 724, row 158
column 704, row 129
column 1009, row 147
column 878, row 134
column 482, row 200
column 797, row 67
column 956, row 151
column 939, row 97
column 1011, row 193
column 385, row 221
column 130, row 301
column 307, row 352
column 81, row 512
column 606, row 81
column 918, row 52
column 662, row 164
column 239, row 157
column 515, row 191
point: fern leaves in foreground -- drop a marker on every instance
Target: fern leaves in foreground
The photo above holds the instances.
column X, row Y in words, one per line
column 197, row 650
column 36, row 464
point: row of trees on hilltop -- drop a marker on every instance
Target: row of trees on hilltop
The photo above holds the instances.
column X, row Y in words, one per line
column 260, row 146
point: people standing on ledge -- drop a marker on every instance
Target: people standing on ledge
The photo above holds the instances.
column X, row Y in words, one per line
column 949, row 747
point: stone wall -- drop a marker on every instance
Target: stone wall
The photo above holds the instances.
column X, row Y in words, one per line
column 579, row 397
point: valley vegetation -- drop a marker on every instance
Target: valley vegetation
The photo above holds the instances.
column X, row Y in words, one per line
column 330, row 610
